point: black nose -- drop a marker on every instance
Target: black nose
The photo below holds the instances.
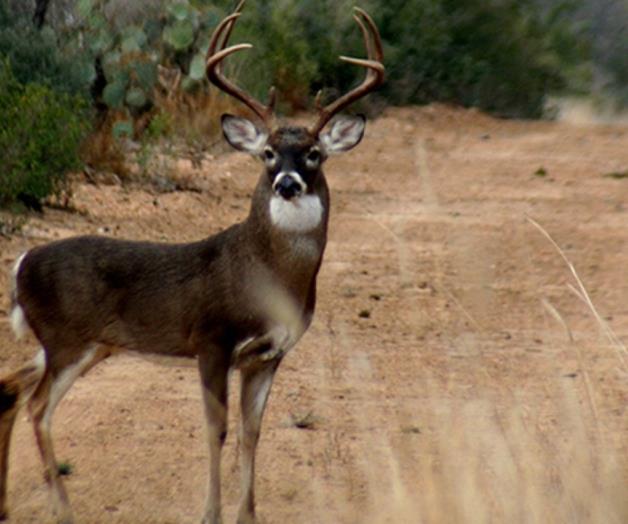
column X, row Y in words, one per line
column 288, row 187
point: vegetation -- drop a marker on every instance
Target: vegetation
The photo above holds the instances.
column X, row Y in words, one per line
column 40, row 138
column 65, row 468
column 503, row 56
column 605, row 25
column 37, row 56
column 136, row 61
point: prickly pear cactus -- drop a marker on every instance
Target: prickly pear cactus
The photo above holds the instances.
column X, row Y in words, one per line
column 129, row 53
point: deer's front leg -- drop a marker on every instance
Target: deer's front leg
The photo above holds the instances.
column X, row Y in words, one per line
column 214, row 367
column 256, row 381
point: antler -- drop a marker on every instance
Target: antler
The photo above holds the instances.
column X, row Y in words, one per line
column 374, row 76
column 218, row 52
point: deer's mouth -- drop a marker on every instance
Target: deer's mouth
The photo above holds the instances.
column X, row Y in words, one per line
column 289, row 185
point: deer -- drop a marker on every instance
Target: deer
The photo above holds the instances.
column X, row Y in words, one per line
column 238, row 300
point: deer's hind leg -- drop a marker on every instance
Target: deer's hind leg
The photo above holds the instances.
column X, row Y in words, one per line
column 55, row 383
column 15, row 390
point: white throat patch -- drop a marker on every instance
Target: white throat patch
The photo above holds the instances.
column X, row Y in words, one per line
column 299, row 215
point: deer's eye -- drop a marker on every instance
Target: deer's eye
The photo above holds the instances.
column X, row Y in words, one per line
column 313, row 157
column 269, row 155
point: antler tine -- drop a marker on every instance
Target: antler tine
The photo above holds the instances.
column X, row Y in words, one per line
column 377, row 40
column 368, row 43
column 374, row 76
column 238, row 9
column 318, row 102
column 218, row 33
column 214, row 67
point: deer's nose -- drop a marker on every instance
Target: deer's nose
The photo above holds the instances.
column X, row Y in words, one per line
column 288, row 186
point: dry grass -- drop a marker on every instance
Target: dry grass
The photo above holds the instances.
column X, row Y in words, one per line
column 181, row 125
column 495, row 457
column 195, row 118
column 101, row 151
column 485, row 462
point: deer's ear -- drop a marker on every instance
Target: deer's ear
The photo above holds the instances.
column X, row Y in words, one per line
column 243, row 135
column 344, row 134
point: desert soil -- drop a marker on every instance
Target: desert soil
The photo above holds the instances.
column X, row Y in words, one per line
column 452, row 372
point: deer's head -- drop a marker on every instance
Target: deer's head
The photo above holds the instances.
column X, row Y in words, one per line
column 293, row 155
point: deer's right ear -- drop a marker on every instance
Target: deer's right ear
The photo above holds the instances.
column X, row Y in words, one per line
column 243, row 135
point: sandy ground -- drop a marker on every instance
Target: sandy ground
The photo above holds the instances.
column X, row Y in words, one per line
column 450, row 374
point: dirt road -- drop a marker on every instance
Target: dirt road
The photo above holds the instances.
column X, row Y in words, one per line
column 451, row 373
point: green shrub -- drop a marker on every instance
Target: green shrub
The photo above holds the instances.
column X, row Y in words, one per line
column 40, row 138
column 503, row 56
column 37, row 56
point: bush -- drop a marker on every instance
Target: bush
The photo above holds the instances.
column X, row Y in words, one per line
column 503, row 56
column 37, row 56
column 40, row 138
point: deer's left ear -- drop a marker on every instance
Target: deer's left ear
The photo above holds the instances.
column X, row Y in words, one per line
column 243, row 134
column 345, row 133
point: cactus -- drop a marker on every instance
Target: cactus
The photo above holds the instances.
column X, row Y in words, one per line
column 197, row 67
column 130, row 54
column 133, row 39
column 122, row 128
column 180, row 35
column 113, row 94
column 135, row 97
column 145, row 74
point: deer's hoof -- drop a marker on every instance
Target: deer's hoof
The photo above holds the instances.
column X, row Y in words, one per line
column 248, row 518
column 212, row 519
column 65, row 518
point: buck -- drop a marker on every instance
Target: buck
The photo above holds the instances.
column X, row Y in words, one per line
column 237, row 300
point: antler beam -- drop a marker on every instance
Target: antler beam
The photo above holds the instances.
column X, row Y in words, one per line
column 374, row 76
column 217, row 52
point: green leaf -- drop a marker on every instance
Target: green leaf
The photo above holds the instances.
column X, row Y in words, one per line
column 136, row 34
column 113, row 94
column 197, row 67
column 48, row 34
column 129, row 45
column 101, row 42
column 84, row 7
column 202, row 43
column 180, row 35
column 135, row 97
column 152, row 29
column 179, row 11
column 98, row 21
column 111, row 65
column 122, row 128
column 146, row 74
column 86, row 72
